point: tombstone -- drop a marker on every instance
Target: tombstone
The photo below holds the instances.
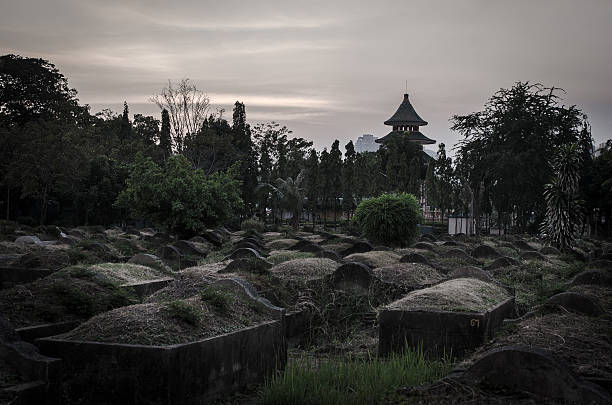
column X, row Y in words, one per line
column 532, row 255
column 199, row 239
column 28, row 240
column 358, row 247
column 415, row 258
column 254, row 241
column 500, row 262
column 522, row 245
column 307, row 246
column 190, row 249
column 168, row 252
column 424, row 246
column 592, row 277
column 248, row 245
column 45, row 259
column 534, row 370
column 213, row 237
column 330, row 254
column 149, row 260
column 462, row 255
column 243, row 253
column 549, row 250
column 255, row 265
column 471, row 272
column 576, row 302
column 354, row 277
column 428, row 237
column 450, row 243
column 485, row 252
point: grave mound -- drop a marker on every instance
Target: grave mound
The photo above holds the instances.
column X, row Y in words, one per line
column 457, row 295
column 575, row 302
column 485, row 252
column 149, row 260
column 358, row 247
column 415, row 258
column 503, row 261
column 549, row 250
column 217, row 310
column 409, row 276
column 304, row 270
column 72, row 293
column 330, row 254
column 532, row 255
column 471, row 272
column 44, row 259
column 424, row 246
column 374, row 258
column 248, row 265
column 460, row 255
column 281, row 244
column 594, row 276
column 190, row 248
column 533, row 370
column 242, row 253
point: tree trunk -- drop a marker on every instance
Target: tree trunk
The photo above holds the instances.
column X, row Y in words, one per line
column 43, row 209
column 8, row 202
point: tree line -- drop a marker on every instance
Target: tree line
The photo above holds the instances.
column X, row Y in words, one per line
column 194, row 168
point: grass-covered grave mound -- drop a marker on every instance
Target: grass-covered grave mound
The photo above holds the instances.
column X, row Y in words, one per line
column 408, row 276
column 72, row 293
column 458, row 295
column 304, row 270
column 216, row 310
column 374, row 258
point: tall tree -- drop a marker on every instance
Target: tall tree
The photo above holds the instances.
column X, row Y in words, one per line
column 247, row 155
column 146, row 128
column 312, row 183
column 335, row 173
column 187, row 107
column 125, row 130
column 348, row 179
column 507, row 145
column 165, row 140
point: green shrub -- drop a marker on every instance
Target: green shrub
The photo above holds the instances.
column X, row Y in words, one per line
column 219, row 299
column 389, row 218
column 351, row 381
column 253, row 224
column 183, row 311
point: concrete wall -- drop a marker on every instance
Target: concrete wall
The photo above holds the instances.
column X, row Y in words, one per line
column 191, row 373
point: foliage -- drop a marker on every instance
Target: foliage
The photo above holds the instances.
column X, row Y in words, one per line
column 389, row 218
column 504, row 156
column 180, row 198
column 358, row 381
column 219, row 299
column 291, row 195
column 253, row 224
column 563, row 209
column 183, row 311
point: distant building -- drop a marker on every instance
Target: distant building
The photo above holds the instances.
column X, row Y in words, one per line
column 366, row 143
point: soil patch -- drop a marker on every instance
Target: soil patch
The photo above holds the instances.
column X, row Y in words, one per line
column 305, row 269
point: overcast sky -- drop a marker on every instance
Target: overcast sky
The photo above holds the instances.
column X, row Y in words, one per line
column 326, row 69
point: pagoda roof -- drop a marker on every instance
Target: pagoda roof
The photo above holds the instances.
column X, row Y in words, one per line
column 406, row 115
column 413, row 136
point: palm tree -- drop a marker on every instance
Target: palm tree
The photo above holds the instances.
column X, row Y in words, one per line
column 291, row 194
column 563, row 208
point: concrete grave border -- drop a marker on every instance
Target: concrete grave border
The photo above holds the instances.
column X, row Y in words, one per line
column 439, row 332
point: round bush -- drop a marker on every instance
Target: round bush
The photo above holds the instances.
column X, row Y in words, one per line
column 389, row 218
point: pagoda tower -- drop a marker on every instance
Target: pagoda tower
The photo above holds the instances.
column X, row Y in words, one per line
column 405, row 123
